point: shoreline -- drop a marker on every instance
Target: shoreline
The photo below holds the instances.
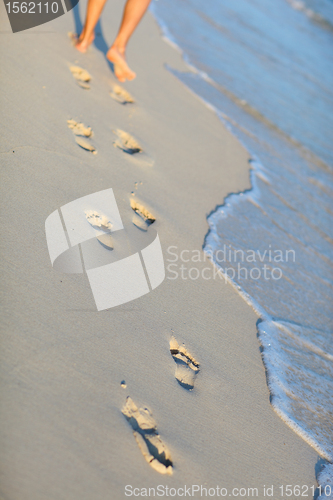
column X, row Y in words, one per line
column 64, row 362
column 244, row 122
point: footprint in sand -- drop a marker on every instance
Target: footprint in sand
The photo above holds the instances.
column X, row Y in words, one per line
column 79, row 128
column 101, row 223
column 121, row 95
column 126, row 143
column 73, row 37
column 142, row 217
column 145, row 432
column 82, row 132
column 81, row 76
column 187, row 368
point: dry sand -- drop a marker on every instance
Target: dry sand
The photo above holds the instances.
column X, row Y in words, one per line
column 63, row 435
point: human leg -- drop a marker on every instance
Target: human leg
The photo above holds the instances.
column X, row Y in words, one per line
column 133, row 13
column 94, row 10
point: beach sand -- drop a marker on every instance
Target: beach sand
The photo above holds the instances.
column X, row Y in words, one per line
column 63, row 435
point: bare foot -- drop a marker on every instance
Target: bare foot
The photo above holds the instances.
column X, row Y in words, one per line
column 82, row 43
column 121, row 68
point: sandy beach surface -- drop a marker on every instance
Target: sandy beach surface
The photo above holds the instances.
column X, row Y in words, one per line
column 62, row 433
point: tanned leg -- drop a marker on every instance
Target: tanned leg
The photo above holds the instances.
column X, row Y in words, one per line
column 94, row 10
column 133, row 12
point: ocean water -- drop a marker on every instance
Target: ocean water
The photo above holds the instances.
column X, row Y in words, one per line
column 266, row 68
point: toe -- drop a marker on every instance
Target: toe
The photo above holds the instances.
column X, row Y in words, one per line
column 120, row 77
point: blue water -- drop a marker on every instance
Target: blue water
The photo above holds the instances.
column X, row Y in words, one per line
column 267, row 69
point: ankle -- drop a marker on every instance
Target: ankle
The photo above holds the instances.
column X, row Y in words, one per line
column 85, row 39
column 120, row 46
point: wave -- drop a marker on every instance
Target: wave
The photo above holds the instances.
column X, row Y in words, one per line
column 288, row 209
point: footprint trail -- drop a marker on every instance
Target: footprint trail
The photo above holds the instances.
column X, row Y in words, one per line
column 82, row 132
column 79, row 128
column 142, row 218
column 126, row 143
column 101, row 223
column 81, row 76
column 187, row 368
column 85, row 145
column 151, row 446
column 121, row 95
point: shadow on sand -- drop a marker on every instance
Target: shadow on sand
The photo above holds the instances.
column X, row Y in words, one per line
column 99, row 42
